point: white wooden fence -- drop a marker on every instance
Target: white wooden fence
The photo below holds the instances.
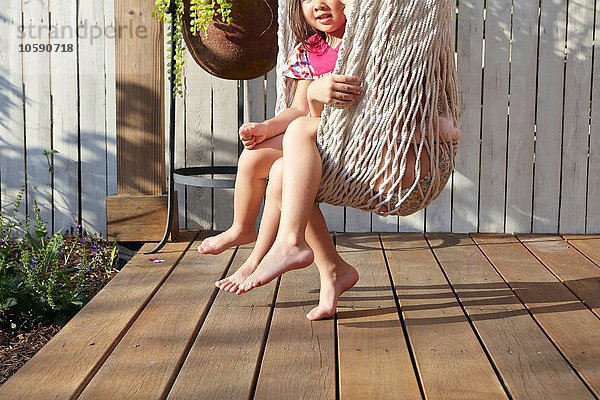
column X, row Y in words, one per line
column 529, row 160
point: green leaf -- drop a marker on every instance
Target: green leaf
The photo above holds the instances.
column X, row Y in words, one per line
column 7, row 303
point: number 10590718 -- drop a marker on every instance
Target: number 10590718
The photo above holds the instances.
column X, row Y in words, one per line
column 45, row 48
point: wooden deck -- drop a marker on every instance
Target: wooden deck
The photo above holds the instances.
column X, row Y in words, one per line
column 441, row 316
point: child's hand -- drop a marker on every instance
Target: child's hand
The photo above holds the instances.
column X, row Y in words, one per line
column 335, row 90
column 252, row 134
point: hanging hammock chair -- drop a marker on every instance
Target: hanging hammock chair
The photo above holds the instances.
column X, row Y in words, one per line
column 403, row 50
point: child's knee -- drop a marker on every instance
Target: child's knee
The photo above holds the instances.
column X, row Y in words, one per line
column 253, row 162
column 275, row 179
column 302, row 128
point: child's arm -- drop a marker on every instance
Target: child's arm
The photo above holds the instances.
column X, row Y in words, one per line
column 254, row 133
column 315, row 107
column 298, row 108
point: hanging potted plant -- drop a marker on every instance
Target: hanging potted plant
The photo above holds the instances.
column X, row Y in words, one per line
column 231, row 40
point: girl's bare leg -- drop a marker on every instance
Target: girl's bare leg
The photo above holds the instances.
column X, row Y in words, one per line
column 250, row 186
column 266, row 236
column 336, row 275
column 301, row 179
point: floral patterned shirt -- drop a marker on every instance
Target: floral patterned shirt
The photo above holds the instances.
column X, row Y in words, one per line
column 313, row 61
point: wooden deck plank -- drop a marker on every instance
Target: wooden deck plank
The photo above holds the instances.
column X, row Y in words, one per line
column 468, row 272
column 145, row 362
column 68, row 361
column 296, row 344
column 224, row 356
column 588, row 245
column 576, row 272
column 580, row 236
column 449, row 358
column 533, row 360
column 374, row 361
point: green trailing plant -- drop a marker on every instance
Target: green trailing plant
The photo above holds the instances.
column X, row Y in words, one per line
column 201, row 13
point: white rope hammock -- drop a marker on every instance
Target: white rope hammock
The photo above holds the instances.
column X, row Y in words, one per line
column 403, row 50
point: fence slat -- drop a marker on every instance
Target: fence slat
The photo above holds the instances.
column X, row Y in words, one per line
column 65, row 119
column 412, row 223
column 357, row 220
column 519, row 186
column 198, row 140
column 92, row 120
column 225, row 145
column 180, row 155
column 593, row 199
column 495, row 115
column 384, row 224
column 111, row 104
column 553, row 22
column 466, row 174
column 36, row 81
column 12, row 123
column 271, row 93
column 576, row 117
column 255, row 111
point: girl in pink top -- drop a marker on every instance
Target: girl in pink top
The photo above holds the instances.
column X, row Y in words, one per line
column 293, row 231
column 302, row 235
column 312, row 60
column 318, row 26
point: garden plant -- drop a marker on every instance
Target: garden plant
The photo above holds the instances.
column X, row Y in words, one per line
column 44, row 281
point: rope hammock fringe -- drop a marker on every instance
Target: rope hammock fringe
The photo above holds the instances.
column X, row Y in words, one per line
column 403, row 50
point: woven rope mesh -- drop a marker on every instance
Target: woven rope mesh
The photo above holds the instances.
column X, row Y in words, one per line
column 403, row 50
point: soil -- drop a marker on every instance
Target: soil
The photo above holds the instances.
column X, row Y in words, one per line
column 17, row 348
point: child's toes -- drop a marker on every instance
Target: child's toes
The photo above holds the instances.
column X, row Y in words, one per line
column 233, row 288
column 221, row 283
column 228, row 286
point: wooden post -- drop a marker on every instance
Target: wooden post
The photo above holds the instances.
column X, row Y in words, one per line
column 139, row 210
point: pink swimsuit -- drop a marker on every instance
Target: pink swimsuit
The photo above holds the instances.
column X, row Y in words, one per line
column 312, row 61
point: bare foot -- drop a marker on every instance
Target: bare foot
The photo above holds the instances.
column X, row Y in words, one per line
column 341, row 279
column 232, row 283
column 231, row 237
column 280, row 259
column 448, row 132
